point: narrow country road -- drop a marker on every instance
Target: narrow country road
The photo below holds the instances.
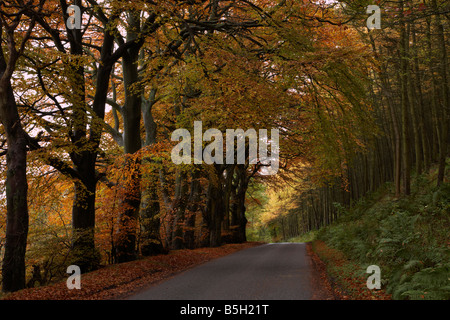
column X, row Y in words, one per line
column 268, row 272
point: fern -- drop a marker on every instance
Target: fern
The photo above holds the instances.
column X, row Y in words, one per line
column 429, row 284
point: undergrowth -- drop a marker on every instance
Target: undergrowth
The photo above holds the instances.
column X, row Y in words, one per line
column 408, row 238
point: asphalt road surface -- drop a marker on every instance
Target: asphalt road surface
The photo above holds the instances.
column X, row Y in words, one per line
column 268, row 272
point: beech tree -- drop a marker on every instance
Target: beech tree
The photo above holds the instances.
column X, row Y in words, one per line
column 83, row 118
column 15, row 31
column 193, row 21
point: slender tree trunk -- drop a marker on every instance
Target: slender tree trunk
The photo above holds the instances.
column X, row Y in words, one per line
column 435, row 122
column 404, row 40
column 413, row 110
column 445, row 91
column 422, row 116
column 396, row 137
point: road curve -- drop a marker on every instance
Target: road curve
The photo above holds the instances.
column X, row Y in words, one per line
column 278, row 271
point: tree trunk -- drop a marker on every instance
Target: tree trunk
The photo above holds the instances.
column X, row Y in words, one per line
column 131, row 111
column 445, row 91
column 129, row 211
column 215, row 207
column 179, row 206
column 13, row 268
column 150, row 209
column 150, row 222
column 422, row 116
column 435, row 123
column 404, row 40
column 84, row 253
column 228, row 189
column 413, row 107
column 193, row 206
column 396, row 134
column 241, row 223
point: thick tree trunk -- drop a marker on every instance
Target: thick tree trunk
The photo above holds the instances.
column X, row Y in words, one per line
column 215, row 207
column 13, row 268
column 179, row 206
column 129, row 211
column 150, row 222
column 84, row 253
column 228, row 189
column 131, row 112
column 191, row 212
column 167, row 220
column 238, row 193
column 150, row 209
column 241, row 222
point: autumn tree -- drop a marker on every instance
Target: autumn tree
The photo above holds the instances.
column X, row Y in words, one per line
column 188, row 23
column 80, row 109
column 15, row 31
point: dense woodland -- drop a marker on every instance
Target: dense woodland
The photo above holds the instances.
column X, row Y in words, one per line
column 87, row 117
column 406, row 132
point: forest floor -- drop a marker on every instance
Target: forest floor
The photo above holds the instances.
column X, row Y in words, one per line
column 121, row 280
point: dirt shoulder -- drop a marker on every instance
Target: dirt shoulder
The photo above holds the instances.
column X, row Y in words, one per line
column 321, row 285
